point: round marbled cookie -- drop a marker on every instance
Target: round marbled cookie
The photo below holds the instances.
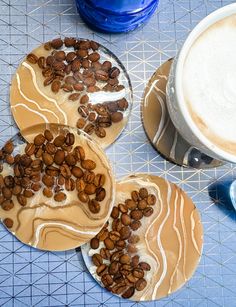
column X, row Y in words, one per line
column 57, row 192
column 74, row 82
column 168, row 242
column 160, row 129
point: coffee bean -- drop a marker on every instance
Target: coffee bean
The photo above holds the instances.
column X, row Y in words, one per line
column 47, row 192
column 94, row 206
column 136, row 214
column 47, row 46
column 84, row 44
column 65, row 171
column 113, row 267
column 148, row 211
column 131, row 249
column 29, row 149
column 67, row 88
column 130, row 204
column 114, row 72
column 112, row 106
column 83, row 197
column 100, row 194
column 9, row 159
column 128, row 293
column 8, row 222
column 57, row 65
column 151, row 199
column 59, row 157
column 7, row 193
column 102, row 269
column 105, row 254
column 7, row 205
column 93, row 89
column 114, row 235
column 38, row 152
column 94, row 57
column 77, row 172
column 125, row 259
column 16, row 190
column 116, row 117
column 50, row 148
column 125, row 232
column 115, row 256
column 60, row 55
column 99, row 180
column 56, row 43
column 70, row 159
column 75, row 65
column 60, row 197
column 39, row 139
column 135, row 261
column 49, row 61
column 125, row 219
column 82, row 53
column 140, row 284
column 22, row 200
column 135, row 225
column 94, row 45
column 47, row 158
column 135, row 196
column 145, row 266
column 123, row 208
column 59, row 140
column 8, row 147
column 83, row 111
column 69, row 184
column 92, row 116
column 97, row 259
column 101, row 75
column 107, row 280
column 89, row 176
column 80, row 185
column 80, row 123
column 134, row 239
column 113, row 82
column 48, row 81
column 48, row 180
column 56, row 85
column 143, row 193
column 139, row 273
column 89, row 129
column 88, row 164
column 67, row 69
column 36, row 165
column 78, row 87
column 28, row 193
column 102, row 235
column 94, row 243
column 32, row 58
column 36, row 186
column 25, row 182
column 123, row 104
column 115, row 213
column 90, row 189
column 131, row 278
column 116, row 225
column 9, row 181
column 120, row 244
column 106, row 66
column 109, row 244
column 69, row 41
column 142, row 204
column 104, row 121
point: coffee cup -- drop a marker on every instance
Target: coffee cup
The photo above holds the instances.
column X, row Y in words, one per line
column 201, row 94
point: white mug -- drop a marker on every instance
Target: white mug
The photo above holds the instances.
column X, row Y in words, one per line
column 177, row 107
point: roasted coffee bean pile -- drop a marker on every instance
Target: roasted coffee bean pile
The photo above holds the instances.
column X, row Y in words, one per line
column 118, row 263
column 54, row 165
column 78, row 71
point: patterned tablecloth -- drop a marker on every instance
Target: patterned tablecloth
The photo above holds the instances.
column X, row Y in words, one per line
column 33, row 278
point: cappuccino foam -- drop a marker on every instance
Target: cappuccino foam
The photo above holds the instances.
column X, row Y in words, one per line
column 209, row 83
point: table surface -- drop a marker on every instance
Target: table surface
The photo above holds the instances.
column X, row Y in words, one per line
column 33, row 278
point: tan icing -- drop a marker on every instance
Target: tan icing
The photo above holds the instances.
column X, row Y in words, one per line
column 170, row 245
column 32, row 103
column 46, row 224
